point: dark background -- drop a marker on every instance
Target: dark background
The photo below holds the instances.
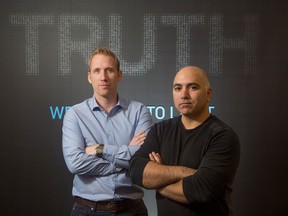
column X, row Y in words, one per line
column 38, row 76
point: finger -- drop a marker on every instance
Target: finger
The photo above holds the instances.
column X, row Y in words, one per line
column 151, row 157
column 155, row 156
column 140, row 133
column 140, row 141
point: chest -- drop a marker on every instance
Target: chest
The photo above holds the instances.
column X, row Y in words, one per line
column 184, row 148
column 107, row 129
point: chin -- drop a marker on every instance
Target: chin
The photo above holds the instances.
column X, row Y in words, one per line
column 185, row 110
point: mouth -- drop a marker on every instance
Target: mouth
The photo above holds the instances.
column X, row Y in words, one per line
column 184, row 104
column 104, row 85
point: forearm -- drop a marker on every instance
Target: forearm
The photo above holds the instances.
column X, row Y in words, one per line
column 119, row 156
column 81, row 163
column 174, row 192
column 157, row 176
column 123, row 156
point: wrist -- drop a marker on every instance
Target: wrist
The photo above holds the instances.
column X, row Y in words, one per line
column 99, row 150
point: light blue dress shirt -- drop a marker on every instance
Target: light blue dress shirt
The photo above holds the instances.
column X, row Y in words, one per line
column 86, row 124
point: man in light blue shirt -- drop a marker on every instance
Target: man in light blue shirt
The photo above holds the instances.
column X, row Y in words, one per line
column 99, row 137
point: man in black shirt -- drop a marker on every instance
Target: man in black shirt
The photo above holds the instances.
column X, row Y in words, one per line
column 190, row 160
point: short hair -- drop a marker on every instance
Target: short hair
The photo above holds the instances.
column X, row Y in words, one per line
column 104, row 51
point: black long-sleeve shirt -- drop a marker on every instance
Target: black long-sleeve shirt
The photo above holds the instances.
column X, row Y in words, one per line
column 212, row 148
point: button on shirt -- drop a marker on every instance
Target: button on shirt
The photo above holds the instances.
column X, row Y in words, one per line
column 87, row 124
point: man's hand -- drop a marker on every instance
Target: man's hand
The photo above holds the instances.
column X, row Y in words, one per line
column 155, row 157
column 91, row 150
column 139, row 138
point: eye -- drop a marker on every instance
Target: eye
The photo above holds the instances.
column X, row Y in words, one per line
column 177, row 88
column 193, row 87
column 109, row 70
column 96, row 71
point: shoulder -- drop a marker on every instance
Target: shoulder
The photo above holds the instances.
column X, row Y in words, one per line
column 132, row 105
column 128, row 102
column 219, row 129
column 81, row 107
column 216, row 124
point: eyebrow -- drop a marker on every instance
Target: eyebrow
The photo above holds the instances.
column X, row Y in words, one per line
column 186, row 84
column 106, row 68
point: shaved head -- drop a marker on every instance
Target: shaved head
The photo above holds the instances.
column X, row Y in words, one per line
column 194, row 70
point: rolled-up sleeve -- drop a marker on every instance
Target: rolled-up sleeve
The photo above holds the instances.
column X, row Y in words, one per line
column 140, row 159
column 217, row 169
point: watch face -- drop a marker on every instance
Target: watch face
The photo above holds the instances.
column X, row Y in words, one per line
column 99, row 150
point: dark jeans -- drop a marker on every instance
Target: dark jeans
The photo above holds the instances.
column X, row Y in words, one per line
column 139, row 209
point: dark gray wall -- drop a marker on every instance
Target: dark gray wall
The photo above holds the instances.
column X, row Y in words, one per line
column 44, row 49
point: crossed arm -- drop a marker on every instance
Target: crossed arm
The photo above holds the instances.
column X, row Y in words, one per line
column 137, row 140
column 167, row 180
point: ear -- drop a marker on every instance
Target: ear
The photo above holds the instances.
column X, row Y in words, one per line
column 209, row 93
column 120, row 75
column 89, row 77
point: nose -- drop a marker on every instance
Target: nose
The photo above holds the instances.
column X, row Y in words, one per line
column 184, row 93
column 103, row 75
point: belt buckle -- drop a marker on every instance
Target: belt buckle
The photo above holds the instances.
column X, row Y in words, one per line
column 112, row 207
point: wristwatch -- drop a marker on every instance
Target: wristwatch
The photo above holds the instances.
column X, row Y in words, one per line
column 99, row 150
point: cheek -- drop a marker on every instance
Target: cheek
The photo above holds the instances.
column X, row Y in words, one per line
column 174, row 97
column 90, row 78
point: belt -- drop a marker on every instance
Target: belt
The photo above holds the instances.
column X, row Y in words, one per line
column 112, row 206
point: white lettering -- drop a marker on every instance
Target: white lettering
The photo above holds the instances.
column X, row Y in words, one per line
column 113, row 35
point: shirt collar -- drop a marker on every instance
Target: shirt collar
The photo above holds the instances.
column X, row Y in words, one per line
column 95, row 106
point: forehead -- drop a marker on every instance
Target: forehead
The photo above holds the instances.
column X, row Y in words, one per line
column 101, row 59
column 102, row 56
column 187, row 76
